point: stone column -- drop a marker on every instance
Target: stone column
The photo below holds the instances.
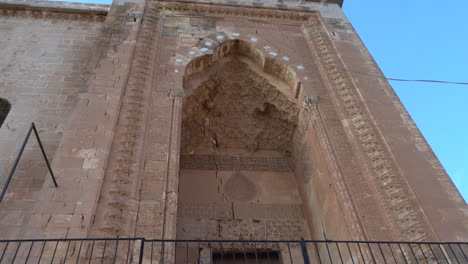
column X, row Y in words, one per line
column 172, row 183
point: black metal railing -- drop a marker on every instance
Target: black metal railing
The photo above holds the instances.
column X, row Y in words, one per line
column 32, row 128
column 140, row 250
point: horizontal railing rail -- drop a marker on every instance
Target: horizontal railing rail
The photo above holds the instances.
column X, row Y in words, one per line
column 140, row 250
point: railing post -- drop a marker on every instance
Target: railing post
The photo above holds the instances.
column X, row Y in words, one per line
column 44, row 154
column 305, row 254
column 23, row 146
column 15, row 165
column 142, row 248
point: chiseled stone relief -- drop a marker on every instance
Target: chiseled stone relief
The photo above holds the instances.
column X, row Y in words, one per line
column 232, row 163
column 237, row 130
column 237, row 108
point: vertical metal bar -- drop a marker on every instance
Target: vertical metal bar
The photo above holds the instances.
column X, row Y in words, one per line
column 391, row 251
column 16, row 252
column 79, row 252
column 268, row 252
column 29, row 252
column 42, row 251
column 142, row 248
column 339, row 253
column 279, row 251
column 55, row 250
column 222, row 252
column 44, row 154
column 128, row 251
column 443, row 253
column 162, row 252
column 289, row 250
column 91, row 255
column 152, row 247
column 360, row 252
column 186, row 252
column 256, row 255
column 328, row 251
column 412, row 252
column 318, row 253
column 175, row 252
column 461, row 249
column 245, row 254
column 381, row 252
column 13, row 169
column 454, row 254
column 433, row 253
column 66, row 252
column 305, row 254
column 402, row 253
column 372, row 254
column 211, row 251
column 422, row 251
column 103, row 251
column 349, row 251
column 233, row 255
column 116, row 249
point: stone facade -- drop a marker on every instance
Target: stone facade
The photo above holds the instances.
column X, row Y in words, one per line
column 238, row 120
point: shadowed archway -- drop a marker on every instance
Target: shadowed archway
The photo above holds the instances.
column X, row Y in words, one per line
column 238, row 123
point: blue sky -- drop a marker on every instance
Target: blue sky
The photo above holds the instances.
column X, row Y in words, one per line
column 421, row 40
column 424, row 40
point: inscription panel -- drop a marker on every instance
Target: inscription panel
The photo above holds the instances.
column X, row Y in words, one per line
column 232, row 163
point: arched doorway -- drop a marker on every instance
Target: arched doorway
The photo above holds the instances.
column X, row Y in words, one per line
column 236, row 176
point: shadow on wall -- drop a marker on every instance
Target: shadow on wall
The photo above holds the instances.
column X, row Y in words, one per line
column 5, row 107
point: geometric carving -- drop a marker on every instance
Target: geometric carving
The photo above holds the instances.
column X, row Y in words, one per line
column 205, row 211
column 237, row 108
column 233, row 163
column 268, row 211
column 286, row 229
column 242, row 229
column 393, row 188
column 189, row 228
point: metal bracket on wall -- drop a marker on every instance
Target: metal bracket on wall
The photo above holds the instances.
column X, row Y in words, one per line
column 23, row 146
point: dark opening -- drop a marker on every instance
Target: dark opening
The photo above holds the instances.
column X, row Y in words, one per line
column 5, row 107
column 264, row 256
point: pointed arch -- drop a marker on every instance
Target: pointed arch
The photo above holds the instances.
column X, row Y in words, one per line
column 237, row 97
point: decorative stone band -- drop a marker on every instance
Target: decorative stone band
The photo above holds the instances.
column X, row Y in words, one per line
column 53, row 15
column 115, row 211
column 233, row 163
column 398, row 200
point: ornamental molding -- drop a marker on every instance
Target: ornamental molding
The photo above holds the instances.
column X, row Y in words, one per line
column 399, row 202
column 51, row 14
column 226, row 10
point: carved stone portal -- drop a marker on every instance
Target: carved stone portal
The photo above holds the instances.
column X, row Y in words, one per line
column 236, row 181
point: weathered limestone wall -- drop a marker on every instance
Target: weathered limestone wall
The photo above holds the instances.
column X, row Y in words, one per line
column 46, row 64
